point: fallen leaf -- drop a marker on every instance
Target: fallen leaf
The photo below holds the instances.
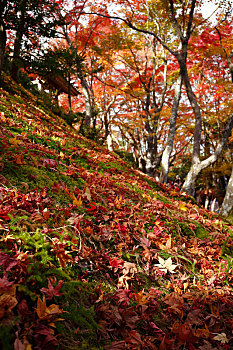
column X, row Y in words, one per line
column 76, row 201
column 222, row 338
column 166, row 265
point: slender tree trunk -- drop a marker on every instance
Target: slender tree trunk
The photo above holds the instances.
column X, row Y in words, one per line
column 18, row 41
column 69, row 94
column 84, row 84
column 87, row 96
column 227, row 204
column 2, row 44
column 3, row 5
column 171, row 134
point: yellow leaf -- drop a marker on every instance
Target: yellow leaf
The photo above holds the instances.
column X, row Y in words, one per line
column 14, row 141
column 76, row 201
column 140, row 297
column 41, row 307
column 148, row 198
column 3, row 118
column 118, row 202
column 53, row 310
column 183, row 207
column 62, row 156
column 19, row 159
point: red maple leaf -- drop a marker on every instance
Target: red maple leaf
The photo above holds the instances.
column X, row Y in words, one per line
column 4, row 283
column 52, row 291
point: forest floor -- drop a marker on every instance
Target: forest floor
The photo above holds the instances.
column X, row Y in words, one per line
column 96, row 255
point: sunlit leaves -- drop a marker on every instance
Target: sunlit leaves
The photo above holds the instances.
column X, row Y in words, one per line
column 166, row 265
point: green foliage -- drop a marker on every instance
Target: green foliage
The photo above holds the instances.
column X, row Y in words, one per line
column 126, row 156
column 80, row 316
column 6, row 337
column 72, row 118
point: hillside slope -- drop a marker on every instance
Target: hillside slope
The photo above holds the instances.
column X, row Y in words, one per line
column 96, row 255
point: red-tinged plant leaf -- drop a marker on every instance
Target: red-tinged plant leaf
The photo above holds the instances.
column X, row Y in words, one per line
column 116, row 345
column 159, row 333
column 4, row 213
column 18, row 345
column 154, row 293
column 207, row 346
column 52, row 291
column 202, row 332
column 46, row 214
column 176, row 304
column 130, row 317
column 50, row 163
column 123, row 296
column 116, row 263
column 116, row 315
column 7, row 262
column 3, row 180
column 194, row 317
column 22, row 345
column 145, row 242
column 44, row 338
column 183, row 333
column 60, row 252
column 37, row 217
column 134, row 338
column 93, row 207
column 4, row 283
column 68, row 192
column 23, row 309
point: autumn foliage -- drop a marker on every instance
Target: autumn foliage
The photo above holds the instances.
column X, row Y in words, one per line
column 95, row 254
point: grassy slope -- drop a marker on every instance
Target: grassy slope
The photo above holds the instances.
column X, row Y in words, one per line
column 84, row 241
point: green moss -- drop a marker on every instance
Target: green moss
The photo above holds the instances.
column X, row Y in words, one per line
column 126, row 156
column 162, row 198
column 6, row 337
column 153, row 184
column 202, row 233
column 79, row 320
column 40, row 178
column 185, row 229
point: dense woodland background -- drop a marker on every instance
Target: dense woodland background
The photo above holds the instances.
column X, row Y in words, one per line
column 116, row 180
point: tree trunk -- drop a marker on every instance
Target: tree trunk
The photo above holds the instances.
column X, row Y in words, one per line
column 227, row 204
column 84, row 84
column 69, row 94
column 171, row 135
column 88, row 105
column 196, row 168
column 151, row 152
column 18, row 41
column 195, row 106
column 3, row 5
column 2, row 44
